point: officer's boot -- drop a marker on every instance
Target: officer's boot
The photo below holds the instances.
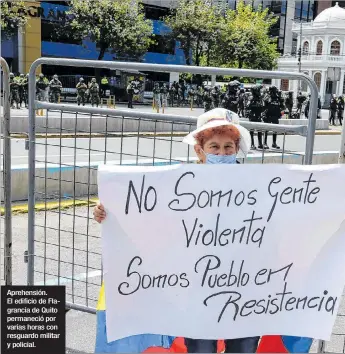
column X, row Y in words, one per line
column 253, row 147
column 274, row 145
column 260, row 141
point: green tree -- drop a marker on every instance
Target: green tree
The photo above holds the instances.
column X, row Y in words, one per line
column 115, row 25
column 194, row 24
column 244, row 40
column 13, row 17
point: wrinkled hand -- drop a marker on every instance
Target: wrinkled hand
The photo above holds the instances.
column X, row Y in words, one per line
column 99, row 213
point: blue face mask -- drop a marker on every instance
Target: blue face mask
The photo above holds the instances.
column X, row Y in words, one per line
column 220, row 159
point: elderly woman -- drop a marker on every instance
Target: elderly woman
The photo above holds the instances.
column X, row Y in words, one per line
column 218, row 139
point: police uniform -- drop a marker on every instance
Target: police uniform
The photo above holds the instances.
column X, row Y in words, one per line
column 340, row 109
column 41, row 88
column 215, row 96
column 164, row 95
column 81, row 92
column 207, row 99
column 55, row 87
column 273, row 106
column 333, row 109
column 130, row 93
column 254, row 109
column 94, row 92
column 104, row 86
column 14, row 91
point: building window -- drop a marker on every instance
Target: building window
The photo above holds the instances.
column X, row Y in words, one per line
column 317, row 79
column 335, row 48
column 155, row 12
column 284, row 85
column 305, row 47
column 319, row 46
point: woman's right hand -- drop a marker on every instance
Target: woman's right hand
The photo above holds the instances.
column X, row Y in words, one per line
column 99, row 213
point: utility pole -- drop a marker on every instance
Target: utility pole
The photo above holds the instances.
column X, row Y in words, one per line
column 300, row 54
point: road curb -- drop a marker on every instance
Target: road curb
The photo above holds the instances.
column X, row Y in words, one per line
column 51, row 205
column 327, row 132
column 128, row 135
column 97, row 135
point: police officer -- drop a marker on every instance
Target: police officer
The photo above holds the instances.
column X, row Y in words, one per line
column 164, row 96
column 55, row 87
column 94, row 92
column 254, row 109
column 130, row 93
column 207, row 99
column 199, row 94
column 24, row 84
column 333, row 109
column 81, row 92
column 273, row 106
column 14, row 91
column 41, row 87
column 104, row 86
column 20, row 80
column 215, row 95
column 300, row 100
column 156, row 96
column 289, row 103
column 191, row 95
column 231, row 98
column 340, row 109
column 241, row 102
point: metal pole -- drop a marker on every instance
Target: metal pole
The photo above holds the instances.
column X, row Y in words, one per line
column 186, row 69
column 341, row 158
column 31, row 162
column 300, row 55
column 7, row 173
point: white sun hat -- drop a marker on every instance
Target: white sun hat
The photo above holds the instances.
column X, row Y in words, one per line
column 219, row 117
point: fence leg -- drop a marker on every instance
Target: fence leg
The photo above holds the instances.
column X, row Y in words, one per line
column 7, row 173
column 341, row 158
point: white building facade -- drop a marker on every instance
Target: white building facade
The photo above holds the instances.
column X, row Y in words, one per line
column 323, row 54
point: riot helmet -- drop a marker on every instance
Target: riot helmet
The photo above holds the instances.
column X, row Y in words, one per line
column 93, row 79
column 81, row 79
column 11, row 75
column 41, row 76
column 55, row 77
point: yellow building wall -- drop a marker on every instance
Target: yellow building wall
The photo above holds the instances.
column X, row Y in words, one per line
column 31, row 39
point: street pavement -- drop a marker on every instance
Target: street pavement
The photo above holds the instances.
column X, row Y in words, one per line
column 80, row 270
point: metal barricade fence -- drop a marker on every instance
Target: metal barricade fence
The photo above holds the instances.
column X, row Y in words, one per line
column 5, row 177
column 64, row 243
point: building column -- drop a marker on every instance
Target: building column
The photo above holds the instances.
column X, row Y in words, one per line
column 323, row 85
column 290, row 13
column 341, row 83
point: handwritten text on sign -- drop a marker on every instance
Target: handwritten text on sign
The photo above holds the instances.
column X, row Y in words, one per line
column 223, row 251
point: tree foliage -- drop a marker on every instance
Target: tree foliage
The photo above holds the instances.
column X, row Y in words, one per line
column 115, row 25
column 237, row 38
column 194, row 24
column 13, row 17
column 244, row 40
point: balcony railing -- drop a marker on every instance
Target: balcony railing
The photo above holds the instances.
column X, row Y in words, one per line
column 314, row 57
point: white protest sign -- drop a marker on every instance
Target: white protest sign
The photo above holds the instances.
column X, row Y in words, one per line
column 223, row 251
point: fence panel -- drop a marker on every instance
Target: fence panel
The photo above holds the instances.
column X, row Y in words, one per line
column 64, row 244
column 5, row 178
